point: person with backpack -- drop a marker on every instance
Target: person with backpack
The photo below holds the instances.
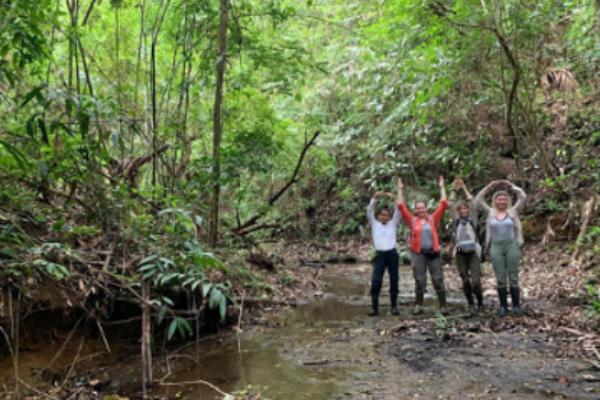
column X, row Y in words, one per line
column 384, row 225
column 504, row 238
column 425, row 245
column 467, row 244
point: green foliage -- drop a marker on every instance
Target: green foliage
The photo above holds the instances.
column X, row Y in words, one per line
column 593, row 300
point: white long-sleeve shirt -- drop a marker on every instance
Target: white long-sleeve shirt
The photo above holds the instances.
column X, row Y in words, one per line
column 384, row 236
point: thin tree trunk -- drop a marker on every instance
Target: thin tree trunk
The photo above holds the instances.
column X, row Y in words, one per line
column 218, row 121
column 154, row 119
column 146, row 339
column 118, row 65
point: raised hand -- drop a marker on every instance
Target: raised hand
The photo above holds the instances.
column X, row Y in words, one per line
column 441, row 181
column 457, row 184
column 400, row 184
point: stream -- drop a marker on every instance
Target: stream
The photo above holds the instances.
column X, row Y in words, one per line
column 328, row 348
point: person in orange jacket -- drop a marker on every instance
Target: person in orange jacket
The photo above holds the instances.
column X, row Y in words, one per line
column 425, row 245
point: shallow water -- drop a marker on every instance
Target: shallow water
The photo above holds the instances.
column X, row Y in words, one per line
column 328, row 348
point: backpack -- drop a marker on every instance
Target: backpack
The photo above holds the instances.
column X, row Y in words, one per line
column 468, row 246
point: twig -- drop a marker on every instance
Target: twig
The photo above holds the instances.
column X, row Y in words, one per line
column 67, row 340
column 106, row 345
column 37, row 390
column 198, row 382
column 70, row 371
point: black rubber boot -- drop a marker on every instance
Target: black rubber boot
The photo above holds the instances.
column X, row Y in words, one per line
column 479, row 295
column 468, row 291
column 394, row 304
column 516, row 301
column 374, row 306
column 502, row 296
column 443, row 304
column 419, row 297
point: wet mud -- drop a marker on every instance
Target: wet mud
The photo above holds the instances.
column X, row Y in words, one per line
column 328, row 348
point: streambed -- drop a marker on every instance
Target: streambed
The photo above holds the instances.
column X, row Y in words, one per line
column 328, row 348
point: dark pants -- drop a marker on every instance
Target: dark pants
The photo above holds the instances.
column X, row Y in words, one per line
column 421, row 263
column 469, row 267
column 381, row 261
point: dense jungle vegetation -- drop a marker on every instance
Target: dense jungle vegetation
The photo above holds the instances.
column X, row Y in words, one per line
column 148, row 146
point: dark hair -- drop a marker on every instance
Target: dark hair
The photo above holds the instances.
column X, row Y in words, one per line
column 382, row 209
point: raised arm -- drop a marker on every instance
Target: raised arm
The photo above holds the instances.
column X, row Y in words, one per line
column 395, row 212
column 400, row 195
column 439, row 212
column 404, row 210
column 468, row 194
column 521, row 196
column 371, row 208
column 442, row 185
column 480, row 198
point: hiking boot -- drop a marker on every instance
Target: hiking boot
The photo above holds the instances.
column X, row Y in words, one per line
column 516, row 301
column 418, row 309
column 394, row 311
column 502, row 311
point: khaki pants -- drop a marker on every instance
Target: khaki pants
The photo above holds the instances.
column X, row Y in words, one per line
column 421, row 263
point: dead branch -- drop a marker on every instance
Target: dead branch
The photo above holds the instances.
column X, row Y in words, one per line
column 197, row 382
column 293, row 179
column 586, row 216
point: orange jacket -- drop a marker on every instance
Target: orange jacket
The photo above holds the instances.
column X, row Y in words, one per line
column 415, row 225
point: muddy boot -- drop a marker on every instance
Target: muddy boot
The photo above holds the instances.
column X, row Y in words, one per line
column 468, row 293
column 516, row 301
column 479, row 295
column 502, row 296
column 374, row 306
column 442, row 302
column 394, row 305
column 418, row 303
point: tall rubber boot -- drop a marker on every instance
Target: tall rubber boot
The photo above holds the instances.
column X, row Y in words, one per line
column 468, row 291
column 502, row 296
column 419, row 297
column 394, row 304
column 374, row 306
column 479, row 295
column 442, row 302
column 516, row 301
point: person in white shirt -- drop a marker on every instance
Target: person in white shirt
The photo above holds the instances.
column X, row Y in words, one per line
column 384, row 226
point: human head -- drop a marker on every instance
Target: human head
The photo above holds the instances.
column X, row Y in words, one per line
column 384, row 215
column 463, row 209
column 501, row 200
column 421, row 209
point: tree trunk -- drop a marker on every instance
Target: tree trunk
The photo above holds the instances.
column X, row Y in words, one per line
column 218, row 121
column 146, row 339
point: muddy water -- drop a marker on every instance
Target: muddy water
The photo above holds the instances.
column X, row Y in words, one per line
column 328, row 348
column 276, row 359
column 313, row 351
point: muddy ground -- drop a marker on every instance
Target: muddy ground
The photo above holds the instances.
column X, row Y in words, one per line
column 328, row 348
